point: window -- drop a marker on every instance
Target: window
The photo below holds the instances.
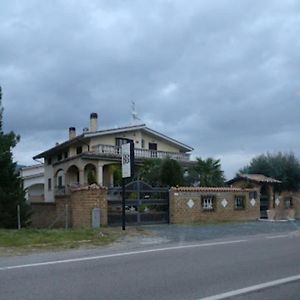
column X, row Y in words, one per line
column 288, row 202
column 239, row 202
column 79, row 150
column 49, row 184
column 66, row 154
column 49, row 161
column 59, row 157
column 143, row 144
column 208, row 202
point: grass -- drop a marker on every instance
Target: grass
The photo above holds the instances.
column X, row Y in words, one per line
column 45, row 238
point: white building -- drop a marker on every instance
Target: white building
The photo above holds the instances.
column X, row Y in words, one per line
column 33, row 182
column 97, row 152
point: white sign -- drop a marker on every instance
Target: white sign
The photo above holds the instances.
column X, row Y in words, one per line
column 126, row 163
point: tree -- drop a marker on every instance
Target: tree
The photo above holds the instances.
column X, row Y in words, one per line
column 161, row 172
column 281, row 166
column 171, row 173
column 150, row 171
column 11, row 190
column 207, row 172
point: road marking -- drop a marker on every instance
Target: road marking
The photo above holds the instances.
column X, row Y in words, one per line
column 277, row 236
column 46, row 263
column 253, row 288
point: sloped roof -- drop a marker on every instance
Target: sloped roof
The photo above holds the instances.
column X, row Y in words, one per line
column 87, row 135
column 259, row 178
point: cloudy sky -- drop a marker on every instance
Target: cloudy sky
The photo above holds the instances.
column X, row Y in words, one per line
column 221, row 76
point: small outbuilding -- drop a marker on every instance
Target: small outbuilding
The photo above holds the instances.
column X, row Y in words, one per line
column 274, row 204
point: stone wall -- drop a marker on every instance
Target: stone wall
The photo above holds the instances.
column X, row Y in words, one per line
column 186, row 205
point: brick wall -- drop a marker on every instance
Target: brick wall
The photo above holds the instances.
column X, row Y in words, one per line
column 83, row 201
column 281, row 211
column 186, row 205
column 76, row 209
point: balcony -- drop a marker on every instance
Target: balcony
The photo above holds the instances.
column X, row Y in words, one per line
column 116, row 151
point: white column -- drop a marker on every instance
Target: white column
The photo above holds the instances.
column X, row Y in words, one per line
column 81, row 177
column 100, row 173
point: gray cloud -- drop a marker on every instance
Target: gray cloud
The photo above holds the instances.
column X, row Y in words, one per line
column 221, row 76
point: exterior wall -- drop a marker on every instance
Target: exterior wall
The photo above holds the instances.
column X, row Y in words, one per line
column 74, row 209
column 280, row 211
column 137, row 137
column 82, row 203
column 180, row 212
column 161, row 145
column 43, row 214
column 49, row 193
column 33, row 178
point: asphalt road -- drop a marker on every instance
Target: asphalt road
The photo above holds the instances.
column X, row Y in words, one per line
column 170, row 271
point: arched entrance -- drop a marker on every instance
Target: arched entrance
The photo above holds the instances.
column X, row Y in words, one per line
column 90, row 174
column 72, row 176
column 59, row 180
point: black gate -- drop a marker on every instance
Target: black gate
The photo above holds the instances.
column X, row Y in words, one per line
column 144, row 204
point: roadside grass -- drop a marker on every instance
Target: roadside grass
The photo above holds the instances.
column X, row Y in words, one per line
column 45, row 238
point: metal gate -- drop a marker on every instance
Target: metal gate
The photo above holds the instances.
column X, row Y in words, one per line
column 264, row 206
column 144, row 204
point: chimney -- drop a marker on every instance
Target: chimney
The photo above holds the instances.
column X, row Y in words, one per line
column 93, row 122
column 72, row 133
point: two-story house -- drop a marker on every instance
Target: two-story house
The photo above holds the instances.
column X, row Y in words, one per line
column 96, row 151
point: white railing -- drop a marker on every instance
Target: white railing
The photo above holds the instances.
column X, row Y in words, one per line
column 116, row 151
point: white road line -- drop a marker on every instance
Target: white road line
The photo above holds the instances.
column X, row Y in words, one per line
column 253, row 288
column 120, row 254
column 277, row 236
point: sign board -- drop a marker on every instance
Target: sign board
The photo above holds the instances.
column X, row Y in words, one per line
column 127, row 160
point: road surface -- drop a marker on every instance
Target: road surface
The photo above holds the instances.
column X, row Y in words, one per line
column 251, row 267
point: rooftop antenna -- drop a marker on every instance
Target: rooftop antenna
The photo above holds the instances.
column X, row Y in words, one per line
column 135, row 118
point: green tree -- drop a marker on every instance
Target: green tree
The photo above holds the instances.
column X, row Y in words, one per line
column 281, row 166
column 207, row 172
column 171, row 173
column 150, row 171
column 11, row 190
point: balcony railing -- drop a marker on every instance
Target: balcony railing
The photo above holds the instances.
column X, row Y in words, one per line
column 116, row 151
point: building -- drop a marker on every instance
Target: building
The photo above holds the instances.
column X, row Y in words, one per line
column 274, row 203
column 33, row 182
column 94, row 154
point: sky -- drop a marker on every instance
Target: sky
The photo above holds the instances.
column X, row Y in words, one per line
column 221, row 76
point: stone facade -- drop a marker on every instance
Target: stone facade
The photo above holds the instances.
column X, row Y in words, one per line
column 193, row 204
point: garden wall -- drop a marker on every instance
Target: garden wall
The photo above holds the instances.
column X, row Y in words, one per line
column 213, row 204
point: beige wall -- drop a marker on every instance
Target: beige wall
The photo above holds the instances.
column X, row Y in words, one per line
column 180, row 212
column 137, row 137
